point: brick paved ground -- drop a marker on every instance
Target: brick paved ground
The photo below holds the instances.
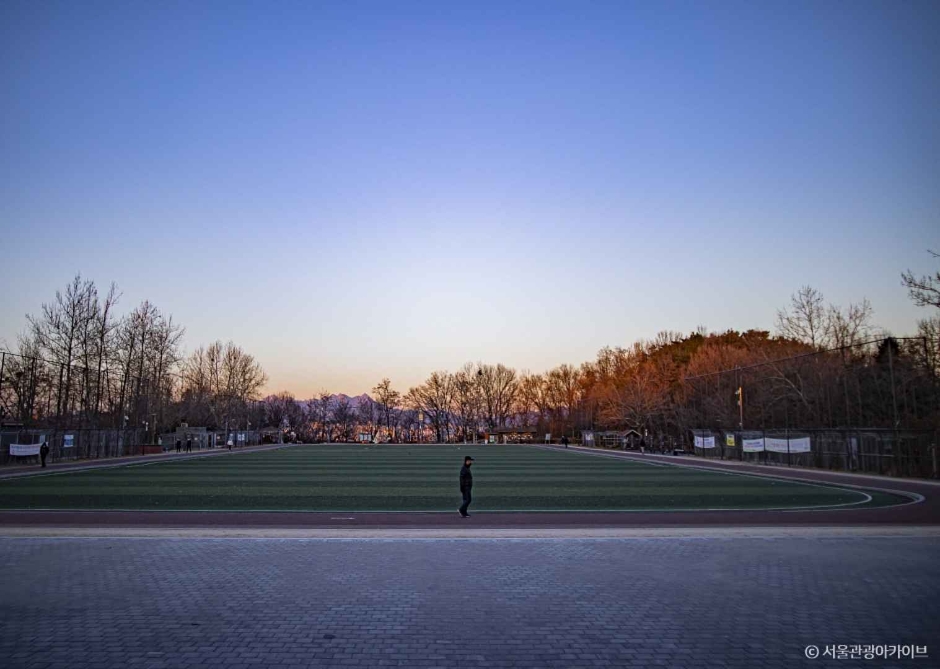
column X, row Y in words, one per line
column 748, row 603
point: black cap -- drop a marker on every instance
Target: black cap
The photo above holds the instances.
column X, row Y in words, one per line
column 467, row 457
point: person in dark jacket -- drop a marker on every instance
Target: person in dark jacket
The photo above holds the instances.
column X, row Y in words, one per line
column 179, row 445
column 43, row 452
column 564, row 441
column 466, row 484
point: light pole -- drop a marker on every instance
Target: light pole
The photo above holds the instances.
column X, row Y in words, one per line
column 721, row 447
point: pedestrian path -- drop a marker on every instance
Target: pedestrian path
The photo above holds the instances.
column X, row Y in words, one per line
column 728, row 603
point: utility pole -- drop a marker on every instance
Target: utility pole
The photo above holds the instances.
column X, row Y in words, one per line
column 3, row 363
column 894, row 398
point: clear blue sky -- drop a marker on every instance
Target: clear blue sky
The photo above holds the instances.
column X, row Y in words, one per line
column 358, row 190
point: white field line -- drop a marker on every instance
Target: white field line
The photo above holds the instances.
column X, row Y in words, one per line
column 835, row 507
column 915, row 498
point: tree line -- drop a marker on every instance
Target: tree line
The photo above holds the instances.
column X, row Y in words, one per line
column 824, row 367
column 81, row 364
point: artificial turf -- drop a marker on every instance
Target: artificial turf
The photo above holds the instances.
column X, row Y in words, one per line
column 412, row 478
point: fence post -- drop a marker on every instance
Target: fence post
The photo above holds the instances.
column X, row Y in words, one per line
column 848, row 451
column 933, row 451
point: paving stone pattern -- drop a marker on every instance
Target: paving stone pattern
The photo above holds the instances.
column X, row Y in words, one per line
column 742, row 602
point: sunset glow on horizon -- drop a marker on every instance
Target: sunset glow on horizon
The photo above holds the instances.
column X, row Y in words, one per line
column 355, row 191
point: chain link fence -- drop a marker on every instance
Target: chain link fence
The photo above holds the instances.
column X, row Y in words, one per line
column 911, row 453
column 72, row 444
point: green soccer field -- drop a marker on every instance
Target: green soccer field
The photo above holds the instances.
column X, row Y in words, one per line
column 413, row 478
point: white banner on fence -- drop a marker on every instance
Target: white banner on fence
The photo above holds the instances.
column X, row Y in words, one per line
column 800, row 445
column 24, row 449
column 68, row 441
column 704, row 442
column 753, row 445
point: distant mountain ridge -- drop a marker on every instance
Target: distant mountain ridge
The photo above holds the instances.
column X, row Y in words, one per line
column 354, row 401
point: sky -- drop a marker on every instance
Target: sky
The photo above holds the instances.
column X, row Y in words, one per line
column 355, row 190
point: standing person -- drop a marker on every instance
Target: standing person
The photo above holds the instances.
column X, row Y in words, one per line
column 43, row 452
column 564, row 441
column 189, row 445
column 179, row 445
column 466, row 484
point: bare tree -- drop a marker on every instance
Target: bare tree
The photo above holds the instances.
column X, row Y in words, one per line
column 924, row 290
column 281, row 411
column 343, row 418
column 811, row 321
column 467, row 405
column 105, row 325
column 851, row 327
column 388, row 400
column 527, row 399
column 58, row 330
column 224, row 379
column 638, row 400
column 325, row 415
column 498, row 390
column 368, row 415
column 164, row 358
column 564, row 385
column 24, row 377
column 435, row 398
column 807, row 319
column 929, row 331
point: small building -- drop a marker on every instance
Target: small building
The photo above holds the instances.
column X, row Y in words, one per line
column 625, row 439
column 511, row 435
